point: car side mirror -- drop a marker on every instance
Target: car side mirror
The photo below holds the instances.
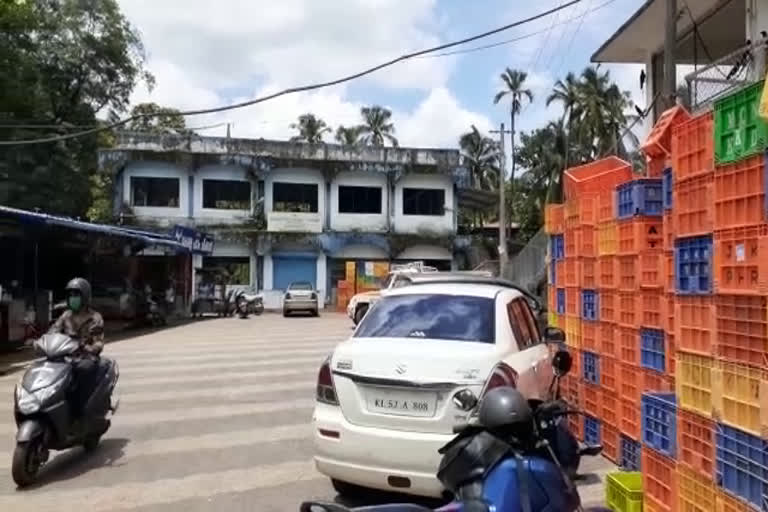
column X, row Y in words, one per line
column 562, row 362
column 554, row 335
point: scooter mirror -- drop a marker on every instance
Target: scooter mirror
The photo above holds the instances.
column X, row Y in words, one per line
column 562, row 362
column 554, row 335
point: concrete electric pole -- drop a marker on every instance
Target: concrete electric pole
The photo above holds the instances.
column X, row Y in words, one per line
column 502, row 200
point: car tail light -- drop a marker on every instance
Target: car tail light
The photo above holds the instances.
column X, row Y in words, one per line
column 314, row 296
column 326, row 392
column 287, row 295
column 502, row 375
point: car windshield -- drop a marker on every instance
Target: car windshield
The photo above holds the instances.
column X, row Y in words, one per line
column 440, row 317
column 300, row 286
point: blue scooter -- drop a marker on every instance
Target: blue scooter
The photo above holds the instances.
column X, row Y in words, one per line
column 509, row 469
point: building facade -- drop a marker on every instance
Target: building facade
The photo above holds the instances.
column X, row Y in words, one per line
column 283, row 212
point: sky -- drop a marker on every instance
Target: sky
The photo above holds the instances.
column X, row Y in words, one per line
column 205, row 54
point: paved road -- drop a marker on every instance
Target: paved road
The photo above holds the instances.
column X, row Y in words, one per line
column 214, row 415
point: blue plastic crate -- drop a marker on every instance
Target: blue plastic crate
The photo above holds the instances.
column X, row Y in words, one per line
column 640, row 197
column 557, row 247
column 660, row 422
column 693, row 265
column 589, row 305
column 652, row 349
column 629, row 454
column 667, row 188
column 560, row 301
column 742, row 465
column 591, row 367
column 591, row 430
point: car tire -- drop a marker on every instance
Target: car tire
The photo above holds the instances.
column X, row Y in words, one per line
column 347, row 490
column 285, row 313
column 315, row 312
column 360, row 313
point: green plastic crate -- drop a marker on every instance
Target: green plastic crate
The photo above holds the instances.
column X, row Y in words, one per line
column 624, row 491
column 739, row 129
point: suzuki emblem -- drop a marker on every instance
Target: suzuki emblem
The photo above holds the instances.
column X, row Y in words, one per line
column 401, row 369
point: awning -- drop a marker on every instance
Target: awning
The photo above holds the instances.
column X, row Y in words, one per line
column 721, row 25
column 43, row 219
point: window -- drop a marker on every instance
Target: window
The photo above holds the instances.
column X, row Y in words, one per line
column 294, row 197
column 523, row 326
column 155, row 192
column 359, row 199
column 226, row 195
column 438, row 317
column 300, row 285
column 236, row 270
column 423, row 201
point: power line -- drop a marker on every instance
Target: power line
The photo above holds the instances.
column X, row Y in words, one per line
column 304, row 88
column 573, row 39
column 535, row 61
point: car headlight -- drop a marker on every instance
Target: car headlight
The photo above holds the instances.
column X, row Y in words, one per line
column 26, row 401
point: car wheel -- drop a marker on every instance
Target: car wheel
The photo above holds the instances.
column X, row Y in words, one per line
column 285, row 312
column 360, row 313
column 347, row 490
column 316, row 312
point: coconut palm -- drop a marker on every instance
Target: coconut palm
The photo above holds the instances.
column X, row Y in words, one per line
column 480, row 154
column 311, row 129
column 348, row 136
column 377, row 128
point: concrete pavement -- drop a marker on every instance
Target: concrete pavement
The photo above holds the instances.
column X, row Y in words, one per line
column 214, row 415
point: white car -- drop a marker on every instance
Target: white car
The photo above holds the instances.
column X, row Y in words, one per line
column 415, row 367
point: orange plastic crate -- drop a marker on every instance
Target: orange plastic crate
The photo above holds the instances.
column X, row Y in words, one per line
column 608, row 302
column 589, row 273
column 630, row 382
column 693, row 147
column 669, row 231
column 658, row 144
column 590, row 336
column 669, row 344
column 588, row 209
column 693, row 206
column 572, row 274
column 629, row 345
column 610, row 442
column 629, row 307
column 587, row 241
column 696, row 442
column 560, row 273
column 606, row 206
column 576, row 426
column 609, row 373
column 571, row 241
column 651, row 314
column 655, row 166
column 573, row 301
column 740, row 193
column 628, row 272
column 695, row 326
column 654, row 381
column 727, row 503
column 652, row 269
column 592, row 399
column 695, row 492
column 610, row 413
column 741, row 261
column 659, row 481
column 554, row 219
column 573, row 331
column 670, row 323
column 597, row 176
column 742, row 329
column 572, row 214
column 640, row 234
column 669, row 272
column 607, row 276
column 607, row 240
column 629, row 418
column 551, row 299
column 740, row 397
column 571, row 388
column 609, row 345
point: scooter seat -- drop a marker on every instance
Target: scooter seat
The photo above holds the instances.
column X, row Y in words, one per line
column 332, row 507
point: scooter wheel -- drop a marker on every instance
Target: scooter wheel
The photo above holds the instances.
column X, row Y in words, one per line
column 91, row 443
column 26, row 464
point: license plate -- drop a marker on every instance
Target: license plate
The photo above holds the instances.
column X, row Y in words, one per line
column 402, row 403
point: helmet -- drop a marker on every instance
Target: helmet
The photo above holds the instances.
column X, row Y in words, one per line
column 504, row 407
column 82, row 286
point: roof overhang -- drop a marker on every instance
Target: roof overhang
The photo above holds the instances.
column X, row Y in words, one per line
column 642, row 35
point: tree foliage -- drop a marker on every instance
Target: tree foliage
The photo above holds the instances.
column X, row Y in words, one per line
column 157, row 119
column 311, row 129
column 377, row 128
column 347, row 136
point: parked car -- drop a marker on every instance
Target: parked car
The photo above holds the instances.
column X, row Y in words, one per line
column 416, row 366
column 300, row 296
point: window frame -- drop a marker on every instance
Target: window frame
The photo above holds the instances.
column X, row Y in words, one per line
column 369, row 189
column 236, row 183
column 523, row 328
column 418, row 213
column 314, row 207
column 132, row 186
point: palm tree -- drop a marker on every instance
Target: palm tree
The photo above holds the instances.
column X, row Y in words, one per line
column 567, row 93
column 377, row 128
column 311, row 129
column 480, row 155
column 348, row 136
column 514, row 86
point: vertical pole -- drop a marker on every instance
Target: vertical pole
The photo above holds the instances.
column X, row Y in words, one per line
column 670, row 41
column 502, row 205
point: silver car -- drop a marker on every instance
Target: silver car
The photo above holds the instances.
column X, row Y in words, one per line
column 300, row 296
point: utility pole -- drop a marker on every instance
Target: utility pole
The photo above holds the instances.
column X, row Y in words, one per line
column 502, row 201
column 670, row 41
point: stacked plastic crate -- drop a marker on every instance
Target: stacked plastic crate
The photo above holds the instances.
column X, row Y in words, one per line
column 555, row 227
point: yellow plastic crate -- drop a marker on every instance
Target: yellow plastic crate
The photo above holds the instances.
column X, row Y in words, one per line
column 607, row 241
column 553, row 319
column 741, row 397
column 624, row 491
column 695, row 376
column 573, row 331
column 695, row 493
column 727, row 503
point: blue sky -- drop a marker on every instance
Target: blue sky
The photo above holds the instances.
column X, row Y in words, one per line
column 206, row 54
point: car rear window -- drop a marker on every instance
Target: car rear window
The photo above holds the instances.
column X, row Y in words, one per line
column 300, row 286
column 440, row 317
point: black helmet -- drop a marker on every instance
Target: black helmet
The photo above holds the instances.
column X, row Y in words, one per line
column 82, row 286
column 505, row 407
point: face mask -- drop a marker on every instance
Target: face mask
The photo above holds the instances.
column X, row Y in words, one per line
column 74, row 302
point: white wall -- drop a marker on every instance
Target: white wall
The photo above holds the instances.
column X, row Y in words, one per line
column 416, row 223
column 157, row 170
column 361, row 252
column 359, row 221
column 297, row 175
column 219, row 172
column 425, row 252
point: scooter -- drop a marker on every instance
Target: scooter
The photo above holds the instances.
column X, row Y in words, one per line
column 43, row 408
column 248, row 303
column 503, row 470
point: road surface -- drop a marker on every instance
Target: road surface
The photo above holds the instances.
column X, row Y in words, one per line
column 214, row 416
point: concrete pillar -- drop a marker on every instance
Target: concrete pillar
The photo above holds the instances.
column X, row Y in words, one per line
column 322, row 268
column 757, row 21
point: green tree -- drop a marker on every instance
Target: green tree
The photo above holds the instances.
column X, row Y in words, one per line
column 311, row 129
column 157, row 119
column 480, row 155
column 377, row 128
column 348, row 136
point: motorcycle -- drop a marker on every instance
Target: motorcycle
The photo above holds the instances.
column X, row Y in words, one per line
column 515, row 469
column 43, row 407
column 248, row 303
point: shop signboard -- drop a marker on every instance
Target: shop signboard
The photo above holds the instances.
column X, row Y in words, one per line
column 192, row 239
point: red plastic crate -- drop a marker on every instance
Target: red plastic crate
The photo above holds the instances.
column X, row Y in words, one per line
column 658, row 144
column 629, row 418
column 571, row 241
column 651, row 314
column 669, row 272
column 610, row 414
column 597, row 176
column 659, row 481
column 592, row 399
column 590, row 336
column 630, row 382
column 640, row 234
column 696, row 442
column 740, row 193
column 609, row 373
column 669, row 231
column 560, row 273
column 589, row 273
column 610, row 442
column 572, row 273
column 629, row 306
column 554, row 219
column 742, row 329
column 608, row 302
column 587, row 241
column 609, row 345
column 607, row 275
column 606, row 206
column 573, row 301
column 695, row 326
column 652, row 269
column 628, row 272
column 693, row 147
column 741, row 261
column 693, row 207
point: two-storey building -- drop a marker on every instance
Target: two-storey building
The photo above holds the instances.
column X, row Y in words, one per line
column 283, row 212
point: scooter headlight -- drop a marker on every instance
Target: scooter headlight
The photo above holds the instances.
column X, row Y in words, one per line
column 26, row 401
